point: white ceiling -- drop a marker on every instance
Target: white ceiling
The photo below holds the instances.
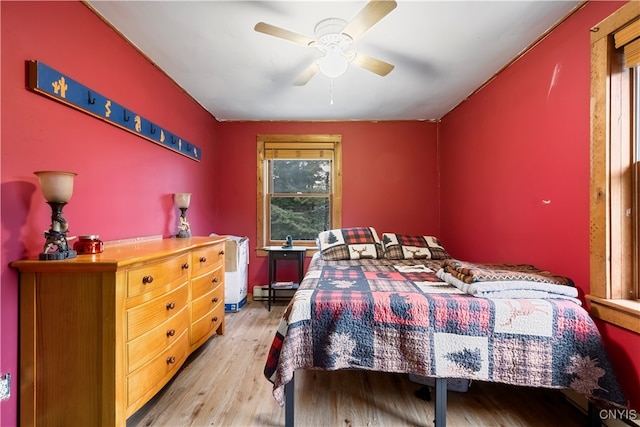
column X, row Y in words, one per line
column 442, row 52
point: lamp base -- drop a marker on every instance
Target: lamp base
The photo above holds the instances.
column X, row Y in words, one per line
column 184, row 230
column 58, row 255
column 56, row 247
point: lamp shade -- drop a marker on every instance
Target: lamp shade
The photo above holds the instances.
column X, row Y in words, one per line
column 56, row 186
column 182, row 199
column 334, row 64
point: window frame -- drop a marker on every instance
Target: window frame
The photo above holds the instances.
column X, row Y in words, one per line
column 293, row 142
column 613, row 257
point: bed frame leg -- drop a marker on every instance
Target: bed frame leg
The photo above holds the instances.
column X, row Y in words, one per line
column 592, row 413
column 289, row 389
column 440, row 403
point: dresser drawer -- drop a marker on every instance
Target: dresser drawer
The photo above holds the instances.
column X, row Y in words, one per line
column 148, row 345
column 207, row 282
column 154, row 375
column 205, row 259
column 147, row 316
column 207, row 324
column 207, row 302
column 155, row 276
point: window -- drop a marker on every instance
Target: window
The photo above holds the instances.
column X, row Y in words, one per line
column 615, row 150
column 299, row 187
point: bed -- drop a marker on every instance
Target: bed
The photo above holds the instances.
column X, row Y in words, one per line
column 401, row 304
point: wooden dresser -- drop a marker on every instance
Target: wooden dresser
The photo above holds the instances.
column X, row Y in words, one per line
column 102, row 334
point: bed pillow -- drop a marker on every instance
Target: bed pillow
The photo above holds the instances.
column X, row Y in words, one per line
column 406, row 246
column 350, row 243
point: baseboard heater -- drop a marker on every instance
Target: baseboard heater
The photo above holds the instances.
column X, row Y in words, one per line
column 261, row 292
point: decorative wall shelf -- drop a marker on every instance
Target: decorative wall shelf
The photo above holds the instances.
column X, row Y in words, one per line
column 51, row 83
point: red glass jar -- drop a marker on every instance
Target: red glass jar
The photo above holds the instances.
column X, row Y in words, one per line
column 88, row 245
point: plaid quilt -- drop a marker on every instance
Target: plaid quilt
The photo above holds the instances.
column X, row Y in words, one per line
column 397, row 316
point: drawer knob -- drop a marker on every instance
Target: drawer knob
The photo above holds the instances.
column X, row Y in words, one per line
column 171, row 360
column 215, row 300
column 221, row 252
column 215, row 319
column 203, row 259
column 215, row 280
column 147, row 279
column 185, row 265
column 171, row 332
column 171, row 305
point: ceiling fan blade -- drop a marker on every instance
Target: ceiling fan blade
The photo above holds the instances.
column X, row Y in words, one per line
column 369, row 16
column 307, row 74
column 374, row 65
column 271, row 30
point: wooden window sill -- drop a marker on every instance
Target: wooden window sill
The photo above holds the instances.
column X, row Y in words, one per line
column 621, row 312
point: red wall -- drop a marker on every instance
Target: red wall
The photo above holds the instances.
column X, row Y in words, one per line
column 389, row 182
column 517, row 154
column 125, row 183
column 521, row 140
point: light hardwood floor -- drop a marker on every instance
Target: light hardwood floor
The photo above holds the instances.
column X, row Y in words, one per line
column 222, row 384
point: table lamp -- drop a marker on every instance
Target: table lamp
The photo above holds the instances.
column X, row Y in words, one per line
column 56, row 188
column 182, row 202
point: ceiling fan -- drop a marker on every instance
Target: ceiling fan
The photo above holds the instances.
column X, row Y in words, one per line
column 333, row 37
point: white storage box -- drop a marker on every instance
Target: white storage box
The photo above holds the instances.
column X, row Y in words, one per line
column 236, row 273
column 453, row 384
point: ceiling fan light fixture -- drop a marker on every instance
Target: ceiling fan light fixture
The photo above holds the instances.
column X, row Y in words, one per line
column 333, row 36
column 333, row 64
column 329, row 31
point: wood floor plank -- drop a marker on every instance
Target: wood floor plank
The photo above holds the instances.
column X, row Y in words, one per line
column 222, row 384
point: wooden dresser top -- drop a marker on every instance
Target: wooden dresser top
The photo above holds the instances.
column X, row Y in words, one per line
column 119, row 255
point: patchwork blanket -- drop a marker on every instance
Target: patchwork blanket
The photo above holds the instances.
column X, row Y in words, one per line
column 398, row 316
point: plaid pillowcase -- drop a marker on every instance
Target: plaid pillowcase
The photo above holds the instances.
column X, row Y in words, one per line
column 350, row 243
column 405, row 246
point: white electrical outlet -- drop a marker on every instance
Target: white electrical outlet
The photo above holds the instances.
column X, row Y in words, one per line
column 5, row 386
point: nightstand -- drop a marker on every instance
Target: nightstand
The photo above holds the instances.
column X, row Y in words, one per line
column 277, row 253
